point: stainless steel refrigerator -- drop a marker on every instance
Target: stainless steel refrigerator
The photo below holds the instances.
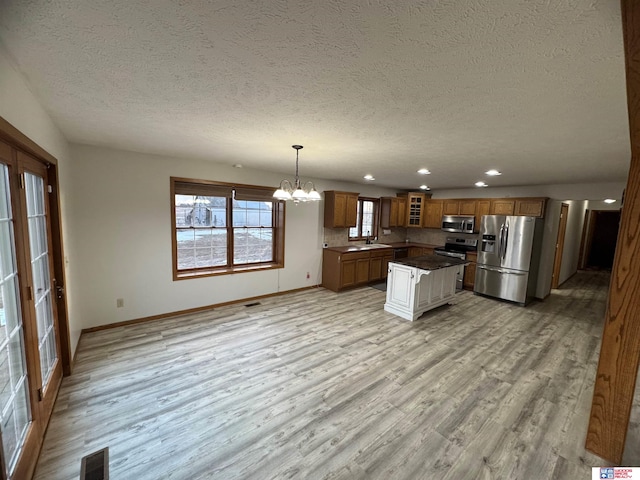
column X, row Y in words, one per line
column 509, row 257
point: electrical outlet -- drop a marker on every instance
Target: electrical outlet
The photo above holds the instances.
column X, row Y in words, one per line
column 119, row 302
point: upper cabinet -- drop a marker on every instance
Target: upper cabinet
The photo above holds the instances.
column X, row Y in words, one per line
column 483, row 207
column 533, row 207
column 393, row 212
column 415, row 209
column 433, row 214
column 450, row 207
column 502, row 206
column 340, row 209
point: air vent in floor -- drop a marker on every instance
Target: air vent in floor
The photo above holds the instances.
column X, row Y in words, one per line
column 95, row 466
column 252, row 304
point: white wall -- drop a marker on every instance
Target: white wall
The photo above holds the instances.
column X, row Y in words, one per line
column 120, row 203
column 23, row 110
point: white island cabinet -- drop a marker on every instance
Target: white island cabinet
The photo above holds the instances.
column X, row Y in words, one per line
column 415, row 285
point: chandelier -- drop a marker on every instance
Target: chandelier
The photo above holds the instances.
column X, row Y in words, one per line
column 296, row 191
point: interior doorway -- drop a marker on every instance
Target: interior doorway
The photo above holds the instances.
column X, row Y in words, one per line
column 602, row 237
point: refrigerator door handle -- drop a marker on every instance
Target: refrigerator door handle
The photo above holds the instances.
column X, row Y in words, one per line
column 505, row 240
column 500, row 270
column 501, row 244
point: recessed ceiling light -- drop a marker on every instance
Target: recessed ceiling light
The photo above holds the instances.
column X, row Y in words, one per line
column 493, row 172
column 424, row 171
column 369, row 177
column 424, row 187
column 237, row 165
column 481, row 184
column 609, row 200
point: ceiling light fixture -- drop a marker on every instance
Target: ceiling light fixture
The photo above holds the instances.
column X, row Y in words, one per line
column 424, row 171
column 609, row 200
column 369, row 177
column 493, row 172
column 424, row 187
column 481, row 184
column 305, row 192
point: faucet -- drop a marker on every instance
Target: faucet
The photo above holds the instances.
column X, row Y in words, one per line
column 369, row 242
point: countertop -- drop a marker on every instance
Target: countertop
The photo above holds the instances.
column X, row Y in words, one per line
column 431, row 262
column 379, row 246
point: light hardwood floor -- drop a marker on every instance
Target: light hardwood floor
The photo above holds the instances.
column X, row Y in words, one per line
column 324, row 385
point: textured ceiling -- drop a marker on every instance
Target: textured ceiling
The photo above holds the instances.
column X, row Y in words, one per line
column 533, row 88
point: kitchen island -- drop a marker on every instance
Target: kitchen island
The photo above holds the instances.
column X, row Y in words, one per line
column 416, row 285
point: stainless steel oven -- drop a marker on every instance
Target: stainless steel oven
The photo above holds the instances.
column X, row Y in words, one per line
column 457, row 247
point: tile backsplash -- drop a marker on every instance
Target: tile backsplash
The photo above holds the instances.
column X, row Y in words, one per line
column 338, row 237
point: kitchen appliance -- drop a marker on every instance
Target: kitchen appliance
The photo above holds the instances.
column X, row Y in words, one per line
column 457, row 247
column 509, row 257
column 400, row 252
column 458, row 223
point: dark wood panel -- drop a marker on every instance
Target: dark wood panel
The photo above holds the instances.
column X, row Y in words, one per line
column 620, row 351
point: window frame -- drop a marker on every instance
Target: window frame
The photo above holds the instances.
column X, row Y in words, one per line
column 376, row 219
column 278, row 229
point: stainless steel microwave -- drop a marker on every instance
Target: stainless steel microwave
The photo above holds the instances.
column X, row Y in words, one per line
column 458, row 223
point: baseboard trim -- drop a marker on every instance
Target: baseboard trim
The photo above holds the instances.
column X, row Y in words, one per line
column 189, row 310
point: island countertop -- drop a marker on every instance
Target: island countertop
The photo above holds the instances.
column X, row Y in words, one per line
column 431, row 262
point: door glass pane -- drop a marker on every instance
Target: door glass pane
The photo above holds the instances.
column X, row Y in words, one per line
column 42, row 295
column 15, row 414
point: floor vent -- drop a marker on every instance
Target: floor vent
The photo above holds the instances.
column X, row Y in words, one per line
column 254, row 304
column 95, row 466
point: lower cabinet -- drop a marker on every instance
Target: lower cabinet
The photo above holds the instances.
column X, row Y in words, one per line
column 468, row 281
column 353, row 269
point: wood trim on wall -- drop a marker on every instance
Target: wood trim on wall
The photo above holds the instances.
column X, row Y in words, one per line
column 193, row 310
column 620, row 351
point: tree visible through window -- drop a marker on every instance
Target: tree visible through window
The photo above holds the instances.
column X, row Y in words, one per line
column 367, row 220
column 220, row 228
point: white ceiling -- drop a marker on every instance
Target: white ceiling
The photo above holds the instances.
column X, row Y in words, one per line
column 533, row 88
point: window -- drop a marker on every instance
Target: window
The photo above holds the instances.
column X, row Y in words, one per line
column 367, row 220
column 220, row 228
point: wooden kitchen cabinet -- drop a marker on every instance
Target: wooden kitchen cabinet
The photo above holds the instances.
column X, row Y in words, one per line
column 340, row 209
column 388, row 257
column 483, row 207
column 354, row 269
column 402, row 211
column 415, row 209
column 342, row 270
column 433, row 214
column 376, row 266
column 415, row 251
column 502, row 206
column 533, row 207
column 469, row 279
column 450, row 207
column 468, row 207
column 390, row 212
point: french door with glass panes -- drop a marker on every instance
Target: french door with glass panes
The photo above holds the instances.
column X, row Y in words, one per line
column 30, row 367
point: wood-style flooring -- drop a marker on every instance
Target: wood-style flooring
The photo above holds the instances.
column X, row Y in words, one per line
column 318, row 385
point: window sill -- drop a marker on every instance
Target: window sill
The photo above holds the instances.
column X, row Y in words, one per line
column 214, row 272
